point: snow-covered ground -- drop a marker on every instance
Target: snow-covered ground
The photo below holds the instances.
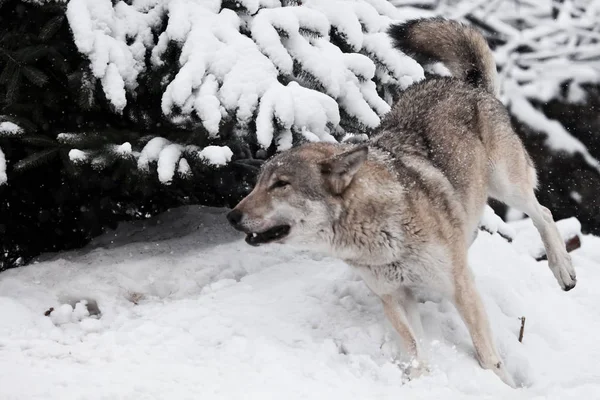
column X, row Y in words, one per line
column 189, row 311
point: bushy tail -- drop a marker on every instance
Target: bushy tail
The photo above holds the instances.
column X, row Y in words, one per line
column 461, row 48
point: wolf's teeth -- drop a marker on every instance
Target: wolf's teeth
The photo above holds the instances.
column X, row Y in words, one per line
column 254, row 235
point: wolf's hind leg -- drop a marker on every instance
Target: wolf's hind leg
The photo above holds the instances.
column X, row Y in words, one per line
column 559, row 260
column 513, row 181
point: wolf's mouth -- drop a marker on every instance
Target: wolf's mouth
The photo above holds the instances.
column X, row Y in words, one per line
column 270, row 235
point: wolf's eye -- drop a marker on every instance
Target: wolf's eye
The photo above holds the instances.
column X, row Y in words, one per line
column 279, row 184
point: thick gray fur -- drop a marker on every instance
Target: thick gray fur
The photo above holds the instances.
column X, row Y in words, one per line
column 402, row 208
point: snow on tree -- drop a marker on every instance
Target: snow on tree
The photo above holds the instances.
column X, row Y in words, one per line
column 8, row 129
column 272, row 72
column 544, row 50
column 3, row 177
column 126, row 108
column 548, row 57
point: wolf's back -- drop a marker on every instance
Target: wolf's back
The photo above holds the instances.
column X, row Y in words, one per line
column 461, row 48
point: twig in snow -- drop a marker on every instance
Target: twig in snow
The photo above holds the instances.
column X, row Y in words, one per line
column 572, row 244
column 522, row 331
column 501, row 234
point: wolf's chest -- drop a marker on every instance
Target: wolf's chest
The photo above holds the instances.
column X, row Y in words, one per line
column 389, row 277
column 428, row 274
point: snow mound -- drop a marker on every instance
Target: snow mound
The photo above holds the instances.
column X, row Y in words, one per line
column 216, row 155
column 77, row 155
column 188, row 310
column 8, row 128
column 492, row 223
column 528, row 241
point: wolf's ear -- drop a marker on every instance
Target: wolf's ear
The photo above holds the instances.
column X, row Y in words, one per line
column 340, row 169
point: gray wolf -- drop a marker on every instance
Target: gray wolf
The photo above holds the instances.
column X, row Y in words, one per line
column 403, row 208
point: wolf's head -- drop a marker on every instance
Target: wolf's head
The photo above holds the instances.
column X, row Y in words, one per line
column 295, row 196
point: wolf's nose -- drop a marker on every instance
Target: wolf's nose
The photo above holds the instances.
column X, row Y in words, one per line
column 234, row 217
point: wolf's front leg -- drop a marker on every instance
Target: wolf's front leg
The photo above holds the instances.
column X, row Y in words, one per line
column 470, row 306
column 399, row 316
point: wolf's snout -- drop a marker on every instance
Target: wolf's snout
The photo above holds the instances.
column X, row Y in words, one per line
column 235, row 217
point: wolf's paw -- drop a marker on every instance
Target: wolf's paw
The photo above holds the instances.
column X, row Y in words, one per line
column 500, row 370
column 415, row 369
column 565, row 273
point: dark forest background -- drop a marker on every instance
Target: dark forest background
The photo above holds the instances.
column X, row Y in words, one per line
column 50, row 203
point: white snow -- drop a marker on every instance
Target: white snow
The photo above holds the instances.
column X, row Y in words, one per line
column 151, row 152
column 403, row 69
column 207, row 105
column 346, row 77
column 213, row 45
column 342, row 16
column 168, row 160
column 184, row 167
column 355, row 138
column 114, row 87
column 494, row 224
column 216, row 155
column 267, row 25
column 76, row 155
column 44, row 1
column 101, row 31
column 545, row 80
column 123, row 149
column 8, row 128
column 222, row 73
column 166, row 155
column 528, row 242
column 3, row 177
column 576, row 196
column 558, row 138
column 512, row 214
column 294, row 107
column 67, row 138
column 188, row 310
column 563, row 53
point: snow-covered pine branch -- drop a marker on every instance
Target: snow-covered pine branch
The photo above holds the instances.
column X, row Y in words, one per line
column 158, row 153
column 8, row 129
column 545, row 50
column 277, row 72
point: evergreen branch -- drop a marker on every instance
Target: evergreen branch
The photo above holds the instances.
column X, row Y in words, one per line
column 9, row 129
column 51, row 27
column 39, row 141
column 31, row 54
column 8, row 54
column 87, row 140
column 86, row 93
column 35, row 76
column 309, row 33
column 9, row 69
column 12, row 88
column 10, row 37
column 251, row 161
column 36, row 159
column 252, row 168
column 58, row 61
column 26, row 124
